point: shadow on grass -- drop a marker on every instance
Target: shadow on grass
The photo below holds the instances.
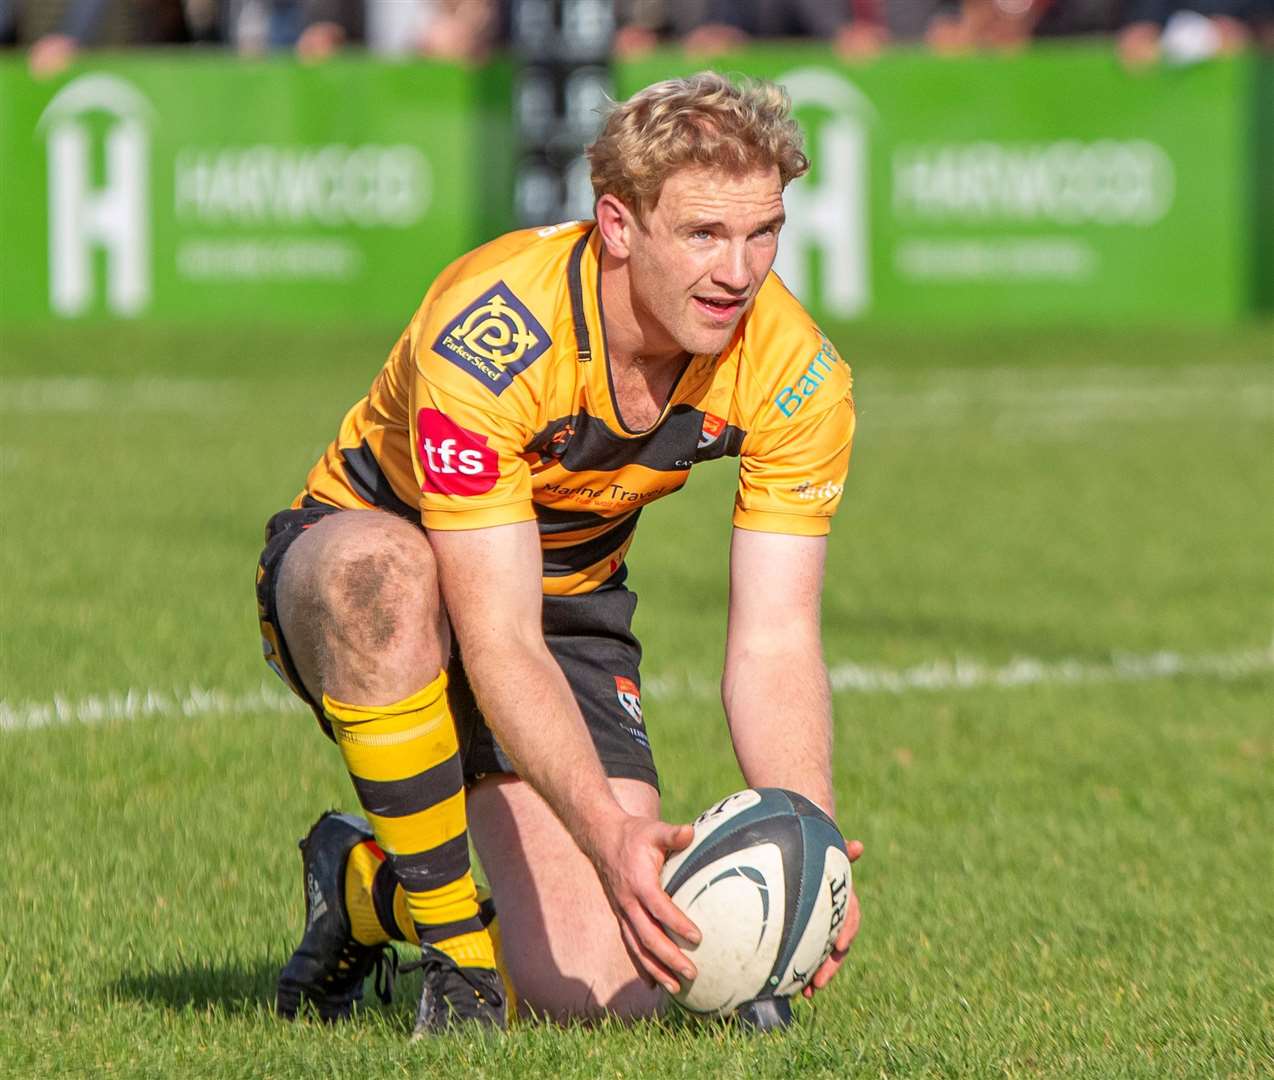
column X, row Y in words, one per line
column 234, row 989
column 231, row 988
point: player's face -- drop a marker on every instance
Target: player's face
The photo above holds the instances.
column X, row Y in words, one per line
column 709, row 243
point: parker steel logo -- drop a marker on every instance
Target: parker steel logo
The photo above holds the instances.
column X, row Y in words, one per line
column 111, row 216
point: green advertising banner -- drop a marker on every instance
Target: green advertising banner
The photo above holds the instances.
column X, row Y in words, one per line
column 215, row 188
column 1047, row 186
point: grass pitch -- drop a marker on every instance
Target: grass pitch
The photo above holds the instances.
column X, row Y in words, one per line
column 1048, row 617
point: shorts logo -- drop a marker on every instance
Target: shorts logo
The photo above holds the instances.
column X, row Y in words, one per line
column 713, row 426
column 493, row 339
column 455, row 460
column 629, row 697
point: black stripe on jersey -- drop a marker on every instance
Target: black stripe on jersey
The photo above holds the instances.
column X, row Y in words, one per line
column 728, row 444
column 436, row 867
column 559, row 562
column 667, row 448
column 584, row 443
column 371, row 484
column 398, row 798
column 673, row 446
column 553, row 521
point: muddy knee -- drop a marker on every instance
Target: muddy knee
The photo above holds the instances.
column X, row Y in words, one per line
column 360, row 607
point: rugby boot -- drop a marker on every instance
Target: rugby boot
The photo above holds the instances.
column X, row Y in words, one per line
column 454, row 995
column 329, row 965
column 765, row 1014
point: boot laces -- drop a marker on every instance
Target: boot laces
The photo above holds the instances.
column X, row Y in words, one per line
column 438, row 965
column 384, row 967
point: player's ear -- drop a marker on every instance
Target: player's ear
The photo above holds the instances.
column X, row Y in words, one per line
column 616, row 223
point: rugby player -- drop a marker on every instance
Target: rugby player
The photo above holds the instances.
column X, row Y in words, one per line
column 448, row 591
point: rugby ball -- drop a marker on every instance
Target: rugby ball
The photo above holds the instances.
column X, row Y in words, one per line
column 767, row 882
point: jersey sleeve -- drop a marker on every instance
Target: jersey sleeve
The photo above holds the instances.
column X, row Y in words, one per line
column 792, row 475
column 467, row 440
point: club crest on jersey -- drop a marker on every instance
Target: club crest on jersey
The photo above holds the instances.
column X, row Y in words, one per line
column 713, row 426
column 493, row 339
column 629, row 697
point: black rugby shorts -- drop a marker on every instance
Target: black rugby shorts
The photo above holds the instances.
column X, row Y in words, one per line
column 590, row 637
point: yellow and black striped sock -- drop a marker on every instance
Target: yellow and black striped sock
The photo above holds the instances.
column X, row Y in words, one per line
column 378, row 912
column 404, row 761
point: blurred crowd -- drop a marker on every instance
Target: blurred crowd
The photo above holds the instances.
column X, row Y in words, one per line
column 1144, row 31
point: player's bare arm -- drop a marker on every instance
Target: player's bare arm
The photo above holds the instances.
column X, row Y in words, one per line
column 775, row 688
column 490, row 581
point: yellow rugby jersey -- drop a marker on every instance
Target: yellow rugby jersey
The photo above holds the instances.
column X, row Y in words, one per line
column 496, row 406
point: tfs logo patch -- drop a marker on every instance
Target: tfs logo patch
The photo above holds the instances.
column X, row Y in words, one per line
column 493, row 339
column 455, row 460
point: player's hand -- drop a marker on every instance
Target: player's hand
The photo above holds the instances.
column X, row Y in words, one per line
column 848, row 932
column 629, row 865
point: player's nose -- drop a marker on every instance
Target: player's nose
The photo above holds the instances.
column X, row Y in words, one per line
column 731, row 271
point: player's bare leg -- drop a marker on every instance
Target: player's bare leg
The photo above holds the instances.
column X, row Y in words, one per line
column 561, row 942
column 359, row 607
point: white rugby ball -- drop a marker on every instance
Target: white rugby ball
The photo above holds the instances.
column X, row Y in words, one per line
column 767, row 882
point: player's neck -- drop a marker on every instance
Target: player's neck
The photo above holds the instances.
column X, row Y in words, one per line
column 633, row 338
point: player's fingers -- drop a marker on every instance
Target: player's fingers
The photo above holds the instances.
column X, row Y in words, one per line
column 664, row 911
column 647, row 957
column 678, row 837
column 635, row 953
column 825, row 971
column 832, row 964
column 853, row 917
column 840, row 950
column 854, row 849
column 652, row 936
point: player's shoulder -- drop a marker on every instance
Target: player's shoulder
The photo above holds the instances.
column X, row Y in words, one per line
column 493, row 312
column 530, row 262
column 787, row 360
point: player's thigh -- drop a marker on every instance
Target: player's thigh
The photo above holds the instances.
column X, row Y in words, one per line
column 358, row 605
column 562, row 945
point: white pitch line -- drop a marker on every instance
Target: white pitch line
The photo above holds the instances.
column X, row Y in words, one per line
column 848, row 678
column 97, row 394
column 964, row 674
column 134, row 704
column 1026, row 671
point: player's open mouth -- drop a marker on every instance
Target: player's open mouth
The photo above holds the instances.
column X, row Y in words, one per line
column 720, row 309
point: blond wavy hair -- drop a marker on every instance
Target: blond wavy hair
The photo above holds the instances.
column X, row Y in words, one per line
column 701, row 120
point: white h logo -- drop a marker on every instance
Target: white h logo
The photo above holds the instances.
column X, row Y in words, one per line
column 830, row 219
column 115, row 216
